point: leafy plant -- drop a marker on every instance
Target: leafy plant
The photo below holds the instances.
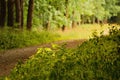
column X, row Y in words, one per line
column 96, row 59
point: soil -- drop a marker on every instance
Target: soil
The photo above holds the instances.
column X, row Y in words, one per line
column 9, row 58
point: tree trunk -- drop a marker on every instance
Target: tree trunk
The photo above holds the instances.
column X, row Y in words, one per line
column 29, row 16
column 66, row 14
column 47, row 25
column 98, row 21
column 22, row 18
column 10, row 6
column 63, row 28
column 93, row 20
column 18, row 13
column 2, row 13
column 73, row 21
column 82, row 19
column 74, row 24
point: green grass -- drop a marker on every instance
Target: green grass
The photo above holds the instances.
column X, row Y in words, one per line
column 82, row 32
column 10, row 39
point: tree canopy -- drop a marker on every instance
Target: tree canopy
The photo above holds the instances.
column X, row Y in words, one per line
column 58, row 13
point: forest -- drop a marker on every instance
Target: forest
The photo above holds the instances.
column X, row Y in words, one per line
column 50, row 14
column 59, row 39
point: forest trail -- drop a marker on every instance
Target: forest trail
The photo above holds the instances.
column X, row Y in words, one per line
column 9, row 58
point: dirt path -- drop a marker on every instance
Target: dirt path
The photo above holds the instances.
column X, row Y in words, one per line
column 9, row 58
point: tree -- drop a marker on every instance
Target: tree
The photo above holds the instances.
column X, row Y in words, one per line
column 30, row 13
column 65, row 13
column 2, row 13
column 18, row 13
column 10, row 7
column 22, row 18
column 56, row 13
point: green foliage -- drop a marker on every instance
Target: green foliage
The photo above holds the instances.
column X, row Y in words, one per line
column 55, row 11
column 14, row 38
column 103, row 56
column 96, row 59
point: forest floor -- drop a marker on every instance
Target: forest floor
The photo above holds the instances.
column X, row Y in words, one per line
column 9, row 58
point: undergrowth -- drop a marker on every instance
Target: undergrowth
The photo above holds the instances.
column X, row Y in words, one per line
column 10, row 39
column 96, row 59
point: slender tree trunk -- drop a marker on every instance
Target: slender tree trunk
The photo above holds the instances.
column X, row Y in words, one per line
column 22, row 18
column 47, row 23
column 2, row 13
column 66, row 6
column 93, row 20
column 63, row 27
column 66, row 14
column 73, row 21
column 82, row 19
column 10, row 6
column 98, row 21
column 74, row 24
column 30, row 13
column 18, row 13
column 47, row 26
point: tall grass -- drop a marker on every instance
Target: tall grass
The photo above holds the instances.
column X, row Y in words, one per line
column 16, row 39
column 84, row 31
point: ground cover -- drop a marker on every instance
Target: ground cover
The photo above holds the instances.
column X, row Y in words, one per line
column 96, row 59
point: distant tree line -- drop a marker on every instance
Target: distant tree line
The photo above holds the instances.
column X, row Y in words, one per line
column 64, row 13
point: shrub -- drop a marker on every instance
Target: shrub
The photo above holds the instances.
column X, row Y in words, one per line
column 102, row 56
column 96, row 59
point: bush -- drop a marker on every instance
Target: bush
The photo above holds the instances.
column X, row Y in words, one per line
column 10, row 39
column 96, row 59
column 102, row 56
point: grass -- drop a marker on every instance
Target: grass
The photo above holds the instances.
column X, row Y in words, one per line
column 82, row 32
column 10, row 38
